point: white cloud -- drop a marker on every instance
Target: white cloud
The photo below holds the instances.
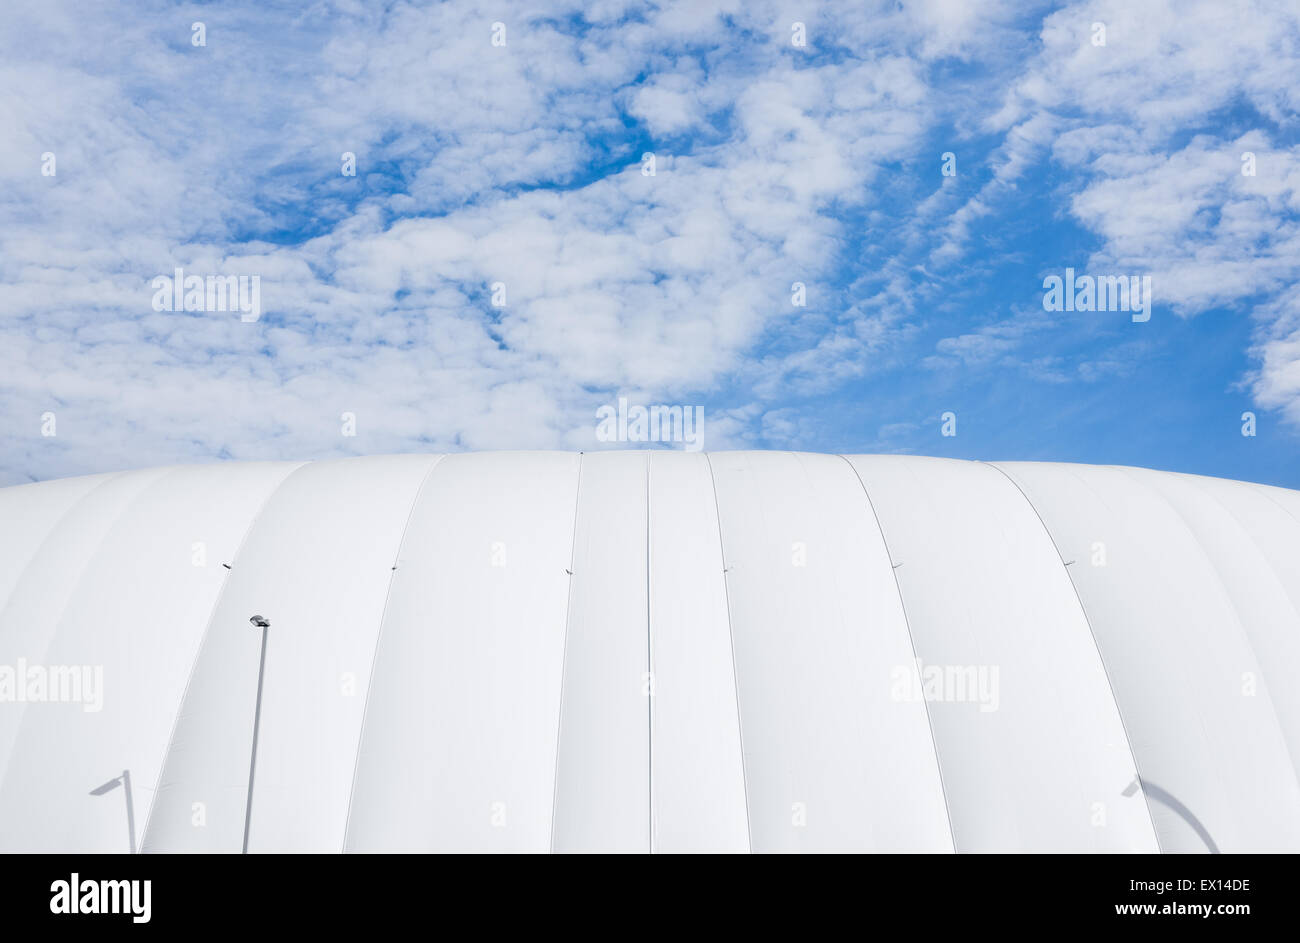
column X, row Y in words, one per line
column 1163, row 199
column 518, row 165
column 655, row 283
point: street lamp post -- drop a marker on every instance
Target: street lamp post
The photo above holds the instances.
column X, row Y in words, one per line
column 125, row 781
column 262, row 624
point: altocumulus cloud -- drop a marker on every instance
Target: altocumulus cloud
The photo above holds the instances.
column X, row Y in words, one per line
column 523, row 165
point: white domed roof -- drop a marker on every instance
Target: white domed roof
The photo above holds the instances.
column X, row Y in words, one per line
column 667, row 651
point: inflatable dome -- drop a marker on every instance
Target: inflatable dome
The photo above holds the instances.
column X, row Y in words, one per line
column 649, row 652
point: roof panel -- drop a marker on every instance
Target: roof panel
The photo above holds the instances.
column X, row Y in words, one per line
column 317, row 564
column 660, row 651
column 134, row 618
column 1032, row 749
column 458, row 752
column 1213, row 760
column 832, row 761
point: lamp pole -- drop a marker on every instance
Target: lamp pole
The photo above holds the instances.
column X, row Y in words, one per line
column 262, row 624
column 130, row 809
column 125, row 780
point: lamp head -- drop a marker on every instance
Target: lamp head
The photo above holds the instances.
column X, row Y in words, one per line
column 260, row 622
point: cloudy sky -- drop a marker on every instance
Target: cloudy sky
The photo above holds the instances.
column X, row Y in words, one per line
column 522, row 162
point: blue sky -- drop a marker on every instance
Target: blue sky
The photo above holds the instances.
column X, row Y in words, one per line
column 774, row 164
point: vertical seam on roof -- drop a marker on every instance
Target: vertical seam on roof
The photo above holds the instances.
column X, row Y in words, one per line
column 650, row 665
column 374, row 655
column 731, row 635
column 907, row 624
column 1110, row 686
column 198, row 652
column 1264, row 490
column 564, row 654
